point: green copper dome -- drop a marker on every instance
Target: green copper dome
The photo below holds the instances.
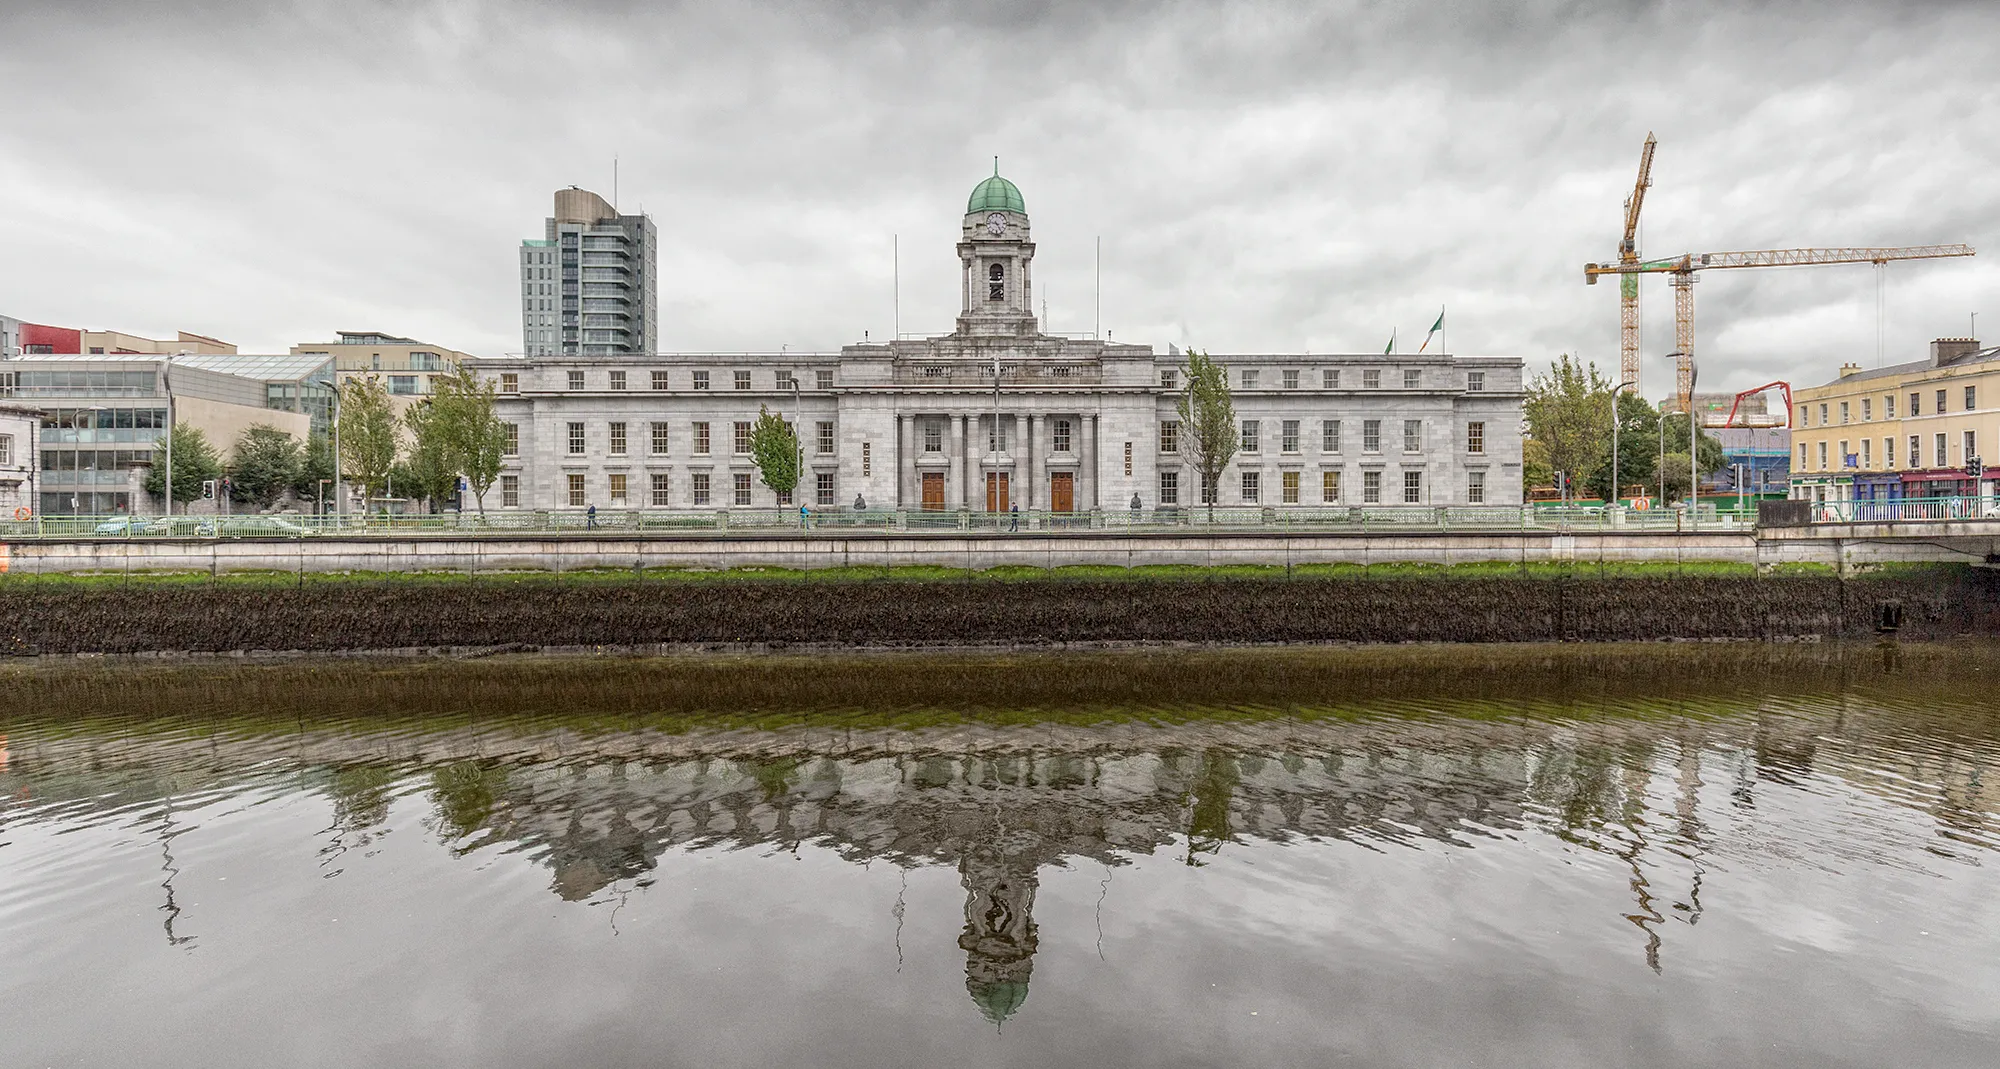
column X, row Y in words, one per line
column 996, row 194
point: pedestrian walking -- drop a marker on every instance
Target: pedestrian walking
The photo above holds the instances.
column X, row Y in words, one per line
column 1013, row 518
column 805, row 515
column 590, row 518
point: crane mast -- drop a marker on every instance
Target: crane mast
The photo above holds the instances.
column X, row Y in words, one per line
column 1628, row 286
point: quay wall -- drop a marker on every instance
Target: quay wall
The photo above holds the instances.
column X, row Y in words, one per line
column 473, row 554
column 547, row 612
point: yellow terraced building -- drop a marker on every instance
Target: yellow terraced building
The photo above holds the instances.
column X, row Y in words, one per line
column 1907, row 431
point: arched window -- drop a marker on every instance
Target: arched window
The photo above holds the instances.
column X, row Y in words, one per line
column 996, row 283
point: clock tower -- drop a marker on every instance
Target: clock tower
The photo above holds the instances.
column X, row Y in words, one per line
column 996, row 259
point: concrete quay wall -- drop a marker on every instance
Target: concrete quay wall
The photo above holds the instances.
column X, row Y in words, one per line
column 976, row 551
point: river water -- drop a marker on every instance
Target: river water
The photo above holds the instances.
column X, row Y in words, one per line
column 1540, row 856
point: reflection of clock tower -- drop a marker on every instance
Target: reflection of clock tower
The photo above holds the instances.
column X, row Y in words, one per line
column 995, row 261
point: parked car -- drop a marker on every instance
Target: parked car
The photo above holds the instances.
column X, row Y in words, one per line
column 260, row 527
column 124, row 525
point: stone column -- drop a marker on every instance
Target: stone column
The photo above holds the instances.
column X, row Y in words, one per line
column 1025, row 470
column 1096, row 464
column 902, row 426
column 967, row 465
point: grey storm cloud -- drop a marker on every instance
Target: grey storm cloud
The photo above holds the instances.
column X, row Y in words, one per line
column 1262, row 176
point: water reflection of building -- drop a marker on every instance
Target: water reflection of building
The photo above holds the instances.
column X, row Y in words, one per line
column 999, row 937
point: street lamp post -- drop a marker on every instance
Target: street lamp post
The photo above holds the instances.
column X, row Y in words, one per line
column 1694, row 454
column 1614, row 438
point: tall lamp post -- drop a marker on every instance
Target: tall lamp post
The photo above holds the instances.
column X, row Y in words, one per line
column 1694, row 454
column 1615, row 390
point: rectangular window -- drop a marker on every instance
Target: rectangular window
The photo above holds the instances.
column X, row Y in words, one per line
column 576, row 380
column 1413, row 488
column 1939, row 443
column 1971, row 398
column 1805, row 417
column 823, row 378
column 1288, row 488
column 823, row 436
column 660, row 498
column 1916, row 451
column 1249, row 378
column 1822, row 456
column 1843, row 413
column 1802, row 456
column 1250, row 436
column 617, row 380
column 996, row 436
column 1475, row 488
column 1475, row 438
column 1940, row 409
column 510, row 382
column 742, row 440
column 933, row 437
column 1329, row 487
column 701, row 380
column 1971, row 448
column 617, row 439
column 659, row 380
column 1329, row 378
column 1291, row 379
column 403, row 385
column 1168, row 379
column 1822, row 415
column 1888, row 452
column 1371, row 487
column 742, row 481
column 1059, row 436
column 1371, row 436
column 1916, row 403
column 1288, row 436
column 576, row 439
column 701, row 488
column 785, row 379
column 512, row 440
column 1867, row 409
column 1252, row 481
column 1889, row 406
column 701, row 439
column 1371, row 379
column 1170, row 436
column 576, row 498
column 618, row 489
column 1329, row 436
column 510, row 491
column 1413, row 436
column 1867, row 453
column 1475, row 382
column 1170, row 488
column 1843, row 453
column 823, row 488
column 1412, row 378
column 7, row 449
column 660, row 439
column 743, row 380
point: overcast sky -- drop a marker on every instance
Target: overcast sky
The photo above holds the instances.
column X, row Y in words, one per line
column 1264, row 176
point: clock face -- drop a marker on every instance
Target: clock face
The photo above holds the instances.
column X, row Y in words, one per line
column 996, row 224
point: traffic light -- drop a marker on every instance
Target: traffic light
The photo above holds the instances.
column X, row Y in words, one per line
column 208, row 489
column 1974, row 467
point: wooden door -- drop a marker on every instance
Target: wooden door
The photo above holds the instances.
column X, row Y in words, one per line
column 1062, row 492
column 934, row 490
column 996, row 491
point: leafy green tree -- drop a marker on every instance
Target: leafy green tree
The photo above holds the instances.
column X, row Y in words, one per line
column 775, row 447
column 267, row 462
column 1708, row 453
column 195, row 461
column 1535, row 469
column 1208, row 435
column 1638, row 448
column 369, row 437
column 478, row 438
column 431, row 470
column 1569, row 412
column 315, row 464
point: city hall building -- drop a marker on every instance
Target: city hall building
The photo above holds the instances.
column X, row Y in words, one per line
column 1075, row 423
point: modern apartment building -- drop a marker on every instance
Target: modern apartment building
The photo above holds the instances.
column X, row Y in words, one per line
column 1909, row 430
column 998, row 413
column 18, row 338
column 588, row 284
column 406, row 367
column 102, row 415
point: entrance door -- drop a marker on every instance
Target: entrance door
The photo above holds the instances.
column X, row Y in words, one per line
column 934, row 490
column 1062, row 491
column 996, row 491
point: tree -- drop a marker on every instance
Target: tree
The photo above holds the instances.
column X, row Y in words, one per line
column 775, row 447
column 195, row 462
column 431, row 471
column 1638, row 448
column 267, row 462
column 1208, row 435
column 1674, row 430
column 368, row 435
column 315, row 464
column 1569, row 413
column 478, row 438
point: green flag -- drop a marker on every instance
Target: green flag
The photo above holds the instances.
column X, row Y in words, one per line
column 1439, row 325
column 1391, row 347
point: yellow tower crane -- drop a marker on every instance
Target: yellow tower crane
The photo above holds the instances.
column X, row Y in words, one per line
column 1628, row 286
column 1683, row 268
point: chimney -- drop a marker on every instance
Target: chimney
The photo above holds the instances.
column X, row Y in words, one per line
column 1849, row 369
column 1947, row 350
